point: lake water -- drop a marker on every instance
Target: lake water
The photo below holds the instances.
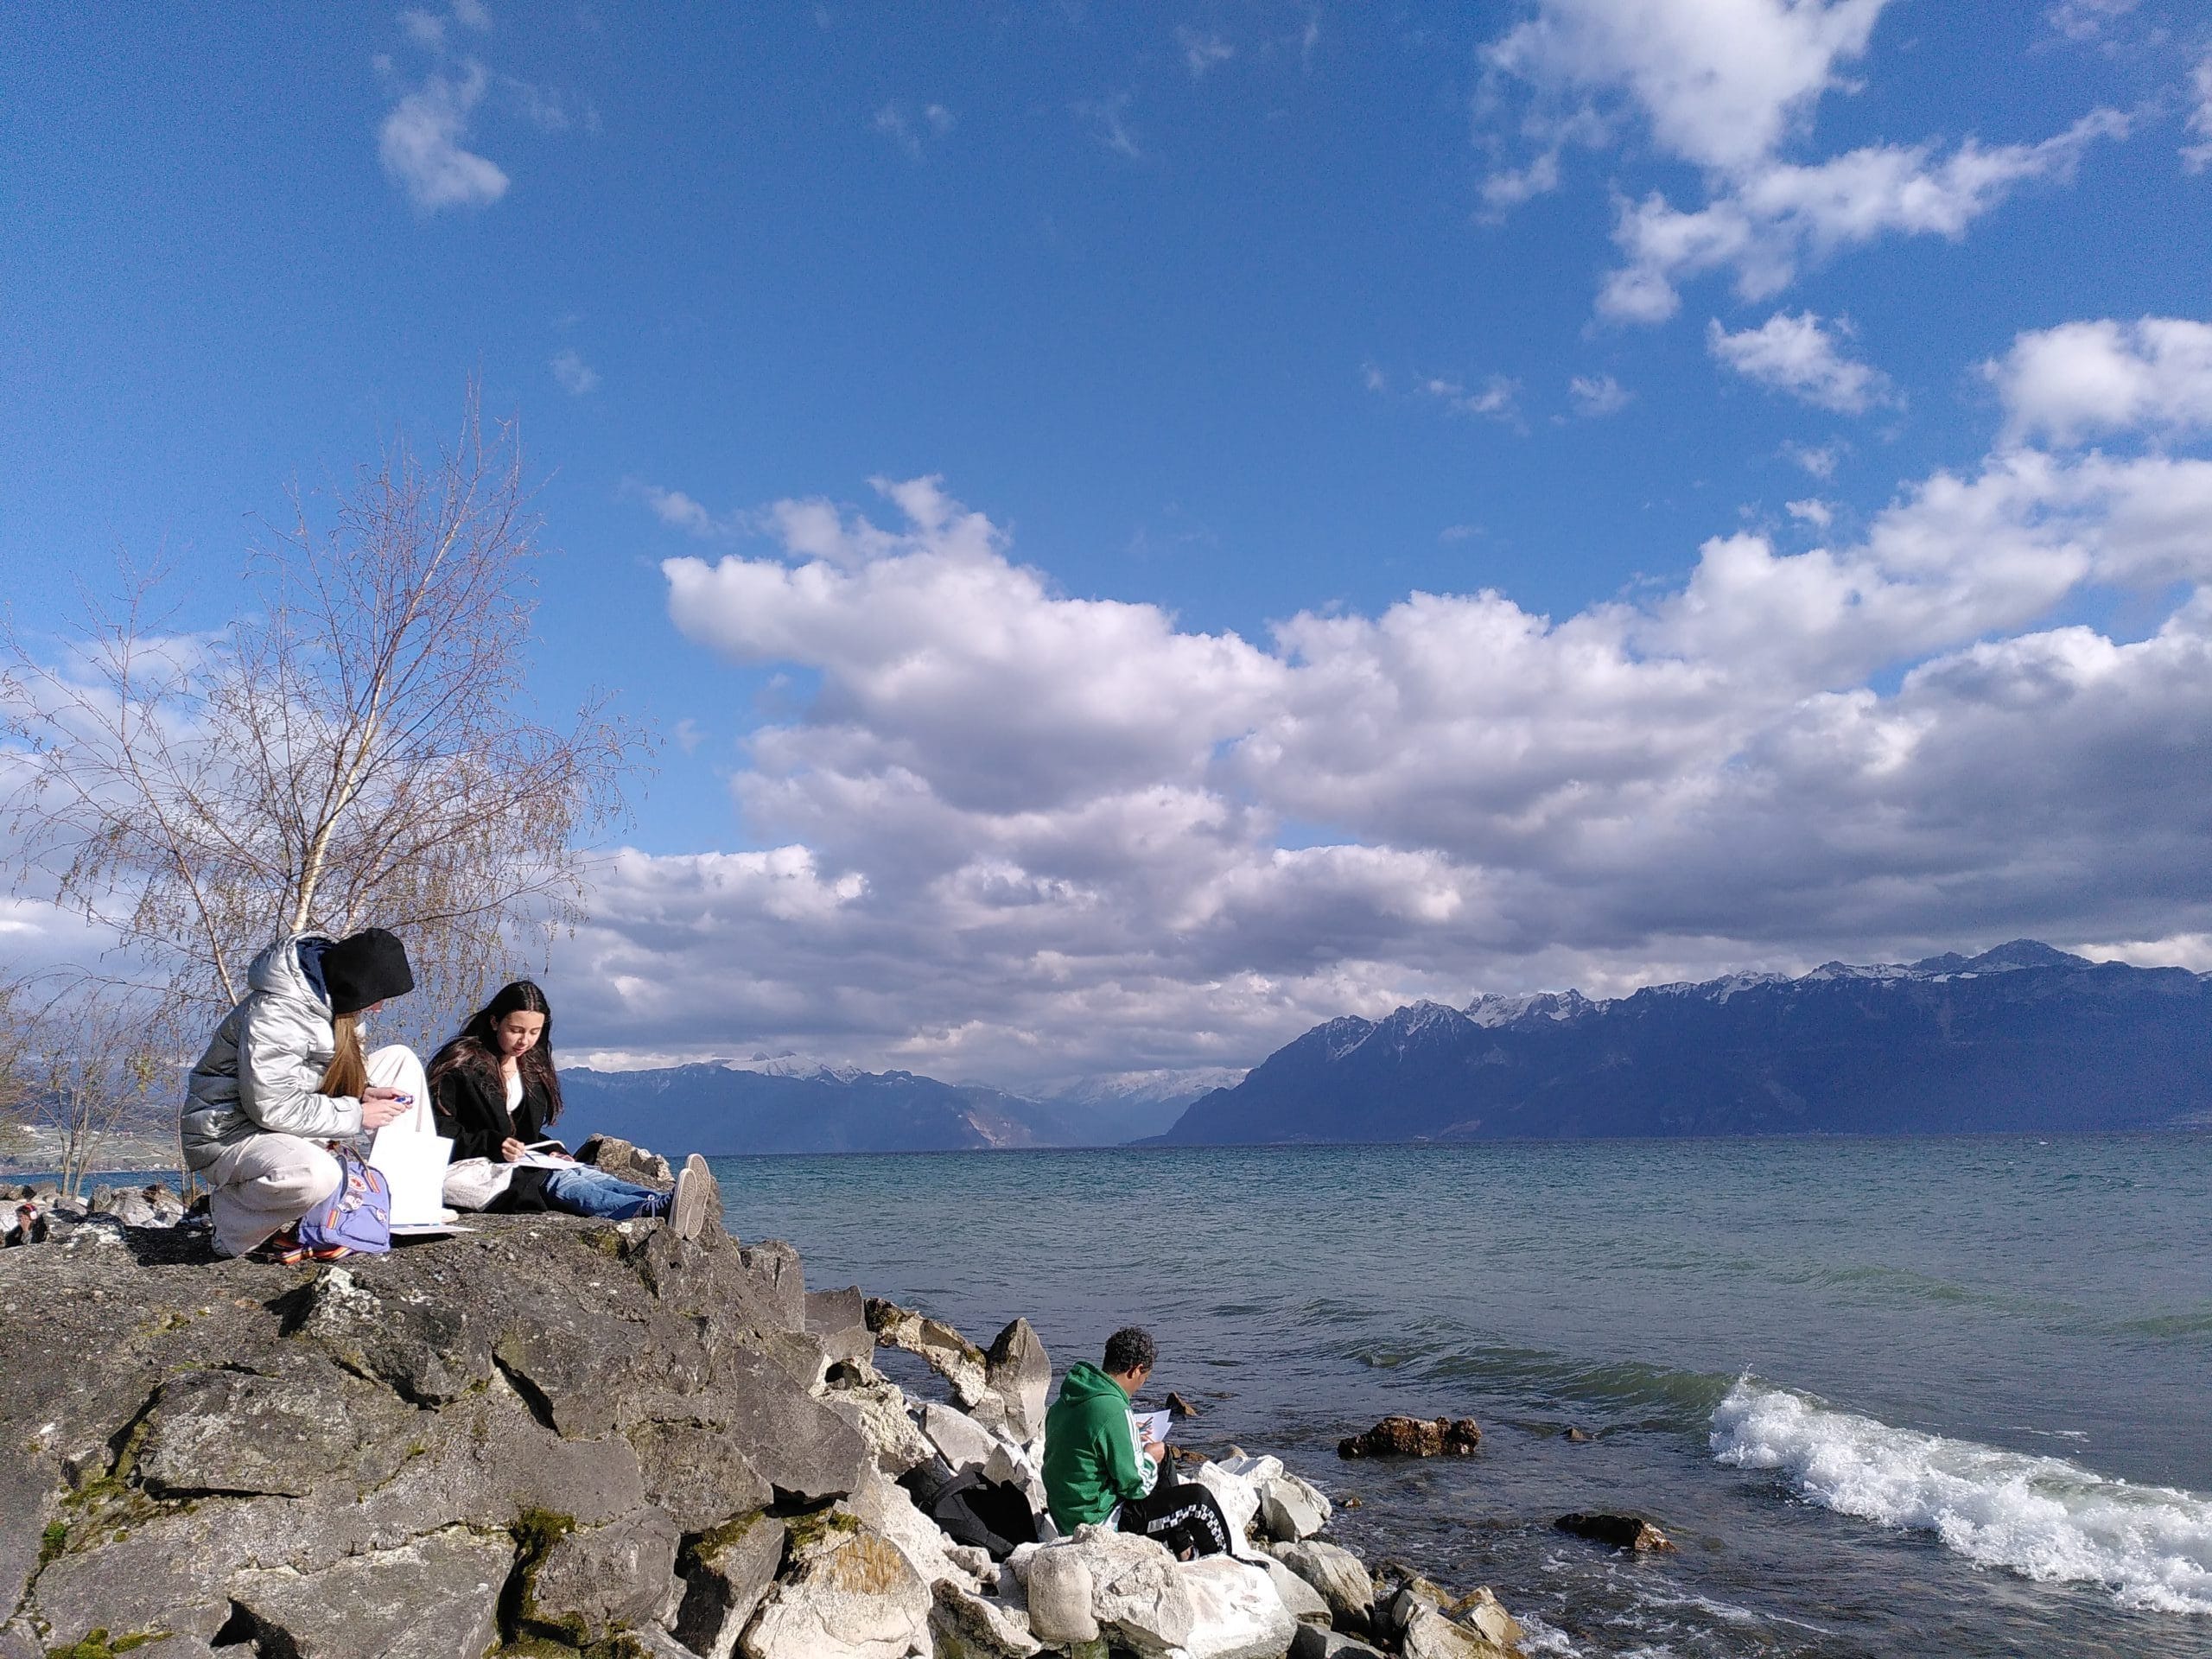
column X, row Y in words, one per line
column 1930, row 1397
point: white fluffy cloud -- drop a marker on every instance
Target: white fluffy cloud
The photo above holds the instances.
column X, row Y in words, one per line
column 2083, row 378
column 2199, row 157
column 421, row 143
column 1024, row 835
column 1767, row 223
column 576, row 377
column 1722, row 81
column 1598, row 394
column 1728, row 86
column 1798, row 356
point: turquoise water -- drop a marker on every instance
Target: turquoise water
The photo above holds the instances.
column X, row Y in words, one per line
column 1905, row 1396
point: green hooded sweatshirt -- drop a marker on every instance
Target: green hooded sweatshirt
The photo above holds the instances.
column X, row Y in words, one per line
column 1092, row 1461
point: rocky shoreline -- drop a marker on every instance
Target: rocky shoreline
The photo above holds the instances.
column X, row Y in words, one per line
column 551, row 1435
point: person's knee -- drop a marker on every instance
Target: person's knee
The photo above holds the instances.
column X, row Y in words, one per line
column 393, row 1066
column 307, row 1181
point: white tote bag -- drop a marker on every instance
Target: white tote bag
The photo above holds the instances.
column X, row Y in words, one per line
column 474, row 1183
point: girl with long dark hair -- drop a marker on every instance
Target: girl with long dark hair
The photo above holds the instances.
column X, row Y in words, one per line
column 494, row 1091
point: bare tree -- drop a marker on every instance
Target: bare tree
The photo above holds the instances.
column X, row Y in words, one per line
column 15, row 1056
column 356, row 750
column 90, row 1075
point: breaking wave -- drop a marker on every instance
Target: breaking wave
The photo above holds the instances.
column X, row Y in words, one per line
column 2042, row 1517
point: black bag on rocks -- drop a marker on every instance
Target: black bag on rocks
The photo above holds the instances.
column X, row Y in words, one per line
column 992, row 1515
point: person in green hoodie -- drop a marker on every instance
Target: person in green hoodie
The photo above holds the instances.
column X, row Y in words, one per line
column 1098, row 1466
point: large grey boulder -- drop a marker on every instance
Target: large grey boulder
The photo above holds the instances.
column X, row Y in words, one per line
column 846, row 1592
column 1312, row 1642
column 589, row 1583
column 434, row 1598
column 775, row 1266
column 727, row 1573
column 1018, row 1370
column 545, row 1403
column 304, row 1425
column 838, row 1320
column 699, row 1472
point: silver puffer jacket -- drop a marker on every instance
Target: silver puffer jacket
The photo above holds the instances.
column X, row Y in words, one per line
column 265, row 1064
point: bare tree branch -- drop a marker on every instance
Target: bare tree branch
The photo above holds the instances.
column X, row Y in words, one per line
column 356, row 749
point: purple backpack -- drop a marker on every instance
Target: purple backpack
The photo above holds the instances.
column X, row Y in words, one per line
column 357, row 1216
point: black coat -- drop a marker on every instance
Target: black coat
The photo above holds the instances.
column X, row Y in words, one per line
column 470, row 1105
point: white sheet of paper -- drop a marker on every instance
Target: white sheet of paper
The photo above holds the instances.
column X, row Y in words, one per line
column 414, row 1167
column 543, row 1161
column 1152, row 1426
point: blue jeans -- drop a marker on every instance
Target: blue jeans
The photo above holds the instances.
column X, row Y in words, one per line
column 583, row 1191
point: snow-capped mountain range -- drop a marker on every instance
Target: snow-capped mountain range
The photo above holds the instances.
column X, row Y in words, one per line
column 2023, row 1037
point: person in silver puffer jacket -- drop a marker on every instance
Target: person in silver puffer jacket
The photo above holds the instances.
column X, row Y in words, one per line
column 258, row 1103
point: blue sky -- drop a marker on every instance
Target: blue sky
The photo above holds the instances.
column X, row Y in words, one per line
column 1781, row 370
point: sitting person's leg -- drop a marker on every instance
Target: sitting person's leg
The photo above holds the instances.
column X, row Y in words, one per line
column 396, row 1066
column 1180, row 1514
column 582, row 1190
column 263, row 1185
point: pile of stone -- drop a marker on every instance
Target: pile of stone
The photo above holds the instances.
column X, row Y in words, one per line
column 54, row 1216
column 556, row 1435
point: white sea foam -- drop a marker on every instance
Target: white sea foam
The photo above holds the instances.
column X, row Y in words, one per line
column 2042, row 1517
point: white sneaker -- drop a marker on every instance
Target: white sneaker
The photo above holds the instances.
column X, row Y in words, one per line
column 695, row 1197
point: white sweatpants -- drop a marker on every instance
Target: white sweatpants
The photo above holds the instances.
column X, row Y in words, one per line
column 264, row 1183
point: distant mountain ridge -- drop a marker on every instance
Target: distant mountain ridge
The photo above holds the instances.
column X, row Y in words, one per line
column 797, row 1103
column 2023, row 1037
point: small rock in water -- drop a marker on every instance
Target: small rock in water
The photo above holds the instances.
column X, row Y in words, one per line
column 1622, row 1531
column 1179, row 1406
column 1415, row 1437
column 1578, row 1436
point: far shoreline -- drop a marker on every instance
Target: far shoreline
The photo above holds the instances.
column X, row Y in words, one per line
column 124, row 1170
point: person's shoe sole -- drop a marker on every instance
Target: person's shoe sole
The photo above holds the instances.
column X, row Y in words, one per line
column 697, row 1196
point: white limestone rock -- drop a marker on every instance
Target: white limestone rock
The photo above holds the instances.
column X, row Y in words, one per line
column 1429, row 1634
column 962, row 1442
column 1339, row 1576
column 847, row 1593
column 1235, row 1611
column 1137, row 1597
column 1254, row 1469
column 1056, row 1593
column 878, row 1412
column 1238, row 1496
column 1292, row 1509
column 1306, row 1604
column 884, row 1506
column 965, row 1626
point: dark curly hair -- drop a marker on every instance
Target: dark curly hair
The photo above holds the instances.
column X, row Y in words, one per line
column 1128, row 1350
column 477, row 1048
